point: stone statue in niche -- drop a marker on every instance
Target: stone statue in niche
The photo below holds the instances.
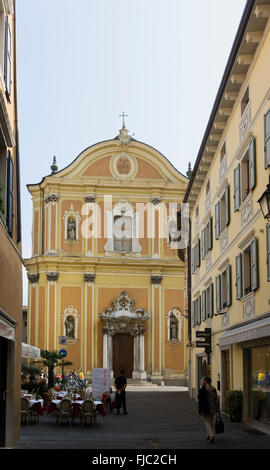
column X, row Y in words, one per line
column 70, row 327
column 71, row 229
column 173, row 328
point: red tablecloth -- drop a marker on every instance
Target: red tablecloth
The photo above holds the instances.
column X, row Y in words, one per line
column 76, row 408
column 39, row 409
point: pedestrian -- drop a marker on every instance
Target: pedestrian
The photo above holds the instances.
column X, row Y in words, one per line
column 120, row 394
column 208, row 406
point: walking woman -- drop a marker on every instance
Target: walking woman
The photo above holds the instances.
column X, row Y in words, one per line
column 208, row 406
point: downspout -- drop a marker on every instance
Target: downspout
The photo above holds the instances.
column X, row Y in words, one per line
column 18, row 178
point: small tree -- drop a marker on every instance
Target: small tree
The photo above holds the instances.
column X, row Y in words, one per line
column 51, row 360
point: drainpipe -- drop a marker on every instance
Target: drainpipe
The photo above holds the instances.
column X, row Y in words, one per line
column 18, row 179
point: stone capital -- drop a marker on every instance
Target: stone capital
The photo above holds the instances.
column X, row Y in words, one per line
column 156, row 279
column 52, row 277
column 51, row 198
column 89, row 277
column 33, row 278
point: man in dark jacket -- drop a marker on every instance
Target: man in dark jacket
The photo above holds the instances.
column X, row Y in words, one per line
column 208, row 406
column 120, row 395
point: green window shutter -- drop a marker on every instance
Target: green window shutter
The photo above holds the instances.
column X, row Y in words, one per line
column 193, row 314
column 8, row 57
column 204, row 305
column 218, row 293
column 203, row 243
column 10, row 194
column 198, row 254
column 268, row 251
column 227, row 204
column 211, row 301
column 267, row 139
column 252, row 163
column 254, row 264
column 217, row 212
column 229, row 286
column 239, row 280
column 199, row 312
column 237, row 200
column 210, row 234
column 193, row 260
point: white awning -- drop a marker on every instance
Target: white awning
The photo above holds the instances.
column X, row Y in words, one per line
column 251, row 331
column 7, row 330
column 30, row 352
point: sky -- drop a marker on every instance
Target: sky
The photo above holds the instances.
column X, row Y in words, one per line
column 82, row 62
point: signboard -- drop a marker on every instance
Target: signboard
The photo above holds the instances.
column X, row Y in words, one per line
column 202, row 344
column 63, row 340
column 206, row 335
column 30, row 352
column 63, row 353
column 100, row 382
column 7, row 331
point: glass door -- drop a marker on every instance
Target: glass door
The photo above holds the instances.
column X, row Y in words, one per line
column 260, row 384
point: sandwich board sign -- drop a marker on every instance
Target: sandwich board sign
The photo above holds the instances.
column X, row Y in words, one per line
column 100, row 382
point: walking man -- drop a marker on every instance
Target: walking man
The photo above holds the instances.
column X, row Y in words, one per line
column 120, row 394
column 208, row 406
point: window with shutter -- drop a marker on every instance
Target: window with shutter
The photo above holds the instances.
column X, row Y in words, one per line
column 267, row 139
column 10, row 194
column 210, row 234
column 211, row 301
column 227, row 205
column 7, row 64
column 217, row 221
column 228, row 286
column 203, row 237
column 252, row 163
column 199, row 312
column 254, row 264
column 239, row 281
column 193, row 314
column 237, row 200
column 268, row 251
column 193, row 260
column 204, row 305
column 198, row 254
column 218, row 293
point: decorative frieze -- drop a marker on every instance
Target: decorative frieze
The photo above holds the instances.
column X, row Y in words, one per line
column 89, row 278
column 247, row 212
column 225, row 320
column 156, row 279
column 224, row 242
column 208, row 262
column 52, row 277
column 248, row 306
column 245, row 123
column 33, row 278
column 208, row 202
column 51, row 198
column 223, row 168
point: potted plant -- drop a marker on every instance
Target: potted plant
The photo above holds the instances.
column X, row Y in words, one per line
column 234, row 405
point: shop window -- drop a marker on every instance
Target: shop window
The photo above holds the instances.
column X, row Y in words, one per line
column 260, row 384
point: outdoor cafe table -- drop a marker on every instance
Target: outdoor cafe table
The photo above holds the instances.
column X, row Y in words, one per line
column 76, row 406
column 38, row 405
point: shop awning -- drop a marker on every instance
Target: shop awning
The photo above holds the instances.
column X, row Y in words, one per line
column 30, row 352
column 249, row 332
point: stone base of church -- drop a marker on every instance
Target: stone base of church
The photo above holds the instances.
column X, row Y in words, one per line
column 139, row 375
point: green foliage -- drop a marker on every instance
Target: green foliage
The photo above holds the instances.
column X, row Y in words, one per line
column 31, row 371
column 51, row 360
column 234, row 405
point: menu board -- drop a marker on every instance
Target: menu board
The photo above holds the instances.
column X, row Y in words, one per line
column 100, row 382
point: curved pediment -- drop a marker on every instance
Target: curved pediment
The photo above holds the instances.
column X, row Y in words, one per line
column 124, row 308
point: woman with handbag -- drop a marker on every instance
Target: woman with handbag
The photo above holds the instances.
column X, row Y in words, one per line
column 208, row 406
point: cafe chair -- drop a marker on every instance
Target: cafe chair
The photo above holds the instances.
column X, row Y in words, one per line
column 88, row 412
column 25, row 411
column 65, row 412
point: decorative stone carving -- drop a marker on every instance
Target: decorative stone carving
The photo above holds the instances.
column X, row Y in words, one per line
column 156, row 279
column 52, row 277
column 33, row 278
column 51, row 198
column 89, row 277
column 245, row 123
column 208, row 262
column 248, row 306
column 197, row 226
column 122, row 318
column 224, row 241
column 208, row 202
column 72, row 220
column 174, row 325
column 70, row 324
column 225, row 320
column 223, row 169
column 156, row 200
column 124, row 139
column 247, row 212
column 90, row 198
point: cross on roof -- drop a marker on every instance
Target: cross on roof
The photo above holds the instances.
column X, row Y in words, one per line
column 123, row 116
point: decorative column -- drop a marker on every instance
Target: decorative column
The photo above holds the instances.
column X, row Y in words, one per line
column 142, row 366
column 110, row 354
column 156, row 280
column 105, row 350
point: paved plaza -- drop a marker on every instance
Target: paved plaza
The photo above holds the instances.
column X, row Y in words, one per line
column 156, row 420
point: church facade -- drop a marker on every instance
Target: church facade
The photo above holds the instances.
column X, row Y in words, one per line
column 105, row 271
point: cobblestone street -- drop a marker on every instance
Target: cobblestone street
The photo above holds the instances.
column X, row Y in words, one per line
column 156, row 420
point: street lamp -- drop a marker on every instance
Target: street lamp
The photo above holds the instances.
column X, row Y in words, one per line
column 264, row 202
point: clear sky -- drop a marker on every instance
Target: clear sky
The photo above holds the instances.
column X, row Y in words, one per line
column 82, row 62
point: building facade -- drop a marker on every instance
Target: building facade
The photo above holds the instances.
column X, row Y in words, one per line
column 10, row 233
column 105, row 271
column 230, row 239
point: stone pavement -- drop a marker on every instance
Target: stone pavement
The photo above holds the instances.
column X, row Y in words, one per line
column 156, row 420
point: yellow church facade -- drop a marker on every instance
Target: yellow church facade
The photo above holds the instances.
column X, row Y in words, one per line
column 105, row 271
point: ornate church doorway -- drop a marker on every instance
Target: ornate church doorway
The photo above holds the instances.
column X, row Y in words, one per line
column 123, row 354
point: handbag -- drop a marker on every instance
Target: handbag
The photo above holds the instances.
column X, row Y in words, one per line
column 219, row 426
